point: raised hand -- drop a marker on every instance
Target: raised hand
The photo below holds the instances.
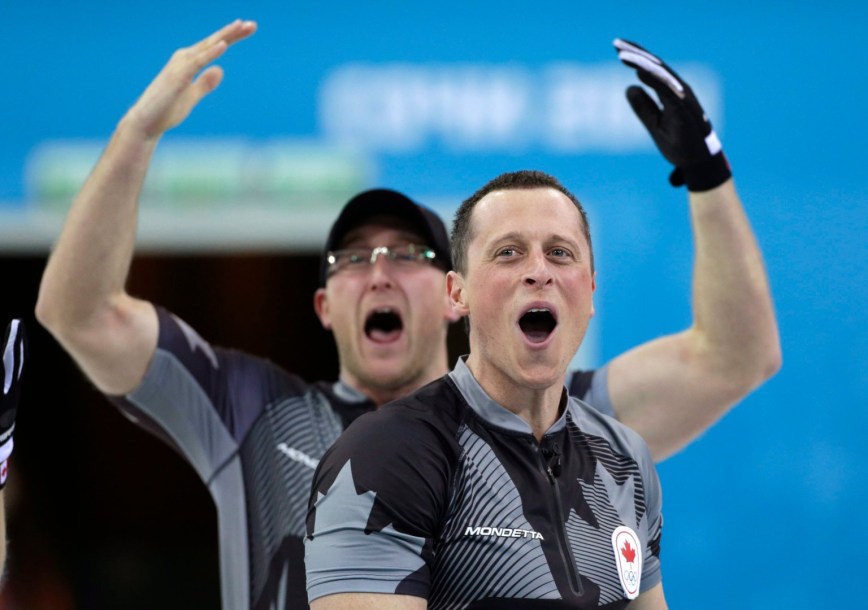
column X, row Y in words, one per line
column 680, row 128
column 183, row 81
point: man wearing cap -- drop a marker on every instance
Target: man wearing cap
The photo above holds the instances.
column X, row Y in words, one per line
column 254, row 433
column 383, row 294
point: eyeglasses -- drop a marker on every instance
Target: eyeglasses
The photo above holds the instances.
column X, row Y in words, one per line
column 360, row 259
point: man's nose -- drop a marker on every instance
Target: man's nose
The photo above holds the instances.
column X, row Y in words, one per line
column 381, row 270
column 537, row 270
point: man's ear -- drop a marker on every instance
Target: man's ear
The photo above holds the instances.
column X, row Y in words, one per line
column 449, row 313
column 321, row 307
column 456, row 294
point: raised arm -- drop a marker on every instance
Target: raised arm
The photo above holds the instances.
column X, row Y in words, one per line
column 82, row 300
column 673, row 388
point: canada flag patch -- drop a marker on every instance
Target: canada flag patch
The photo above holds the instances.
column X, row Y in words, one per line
column 628, row 558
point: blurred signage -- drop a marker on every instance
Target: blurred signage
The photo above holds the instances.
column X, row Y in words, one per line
column 562, row 108
column 286, row 175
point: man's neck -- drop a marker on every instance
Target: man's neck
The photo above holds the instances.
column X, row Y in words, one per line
column 539, row 407
column 381, row 394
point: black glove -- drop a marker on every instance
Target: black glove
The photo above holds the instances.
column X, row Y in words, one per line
column 681, row 130
column 14, row 346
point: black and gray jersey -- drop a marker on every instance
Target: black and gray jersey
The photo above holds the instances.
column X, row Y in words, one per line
column 448, row 496
column 254, row 434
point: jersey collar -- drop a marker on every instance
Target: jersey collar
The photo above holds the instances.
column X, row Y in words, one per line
column 348, row 393
column 493, row 412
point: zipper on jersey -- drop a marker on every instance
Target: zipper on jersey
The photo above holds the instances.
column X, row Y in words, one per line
column 560, row 532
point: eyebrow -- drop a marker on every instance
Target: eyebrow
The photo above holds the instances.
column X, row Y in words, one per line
column 517, row 236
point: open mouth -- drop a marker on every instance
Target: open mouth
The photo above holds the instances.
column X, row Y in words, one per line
column 537, row 324
column 383, row 325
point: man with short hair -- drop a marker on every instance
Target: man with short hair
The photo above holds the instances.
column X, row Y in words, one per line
column 492, row 487
column 254, row 432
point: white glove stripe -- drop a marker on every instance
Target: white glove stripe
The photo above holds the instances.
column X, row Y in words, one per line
column 6, row 451
column 713, row 143
column 9, row 357
column 623, row 45
column 654, row 68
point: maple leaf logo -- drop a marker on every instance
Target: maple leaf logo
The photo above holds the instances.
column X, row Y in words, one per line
column 628, row 552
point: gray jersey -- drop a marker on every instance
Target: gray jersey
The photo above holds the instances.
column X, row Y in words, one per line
column 447, row 495
column 254, row 434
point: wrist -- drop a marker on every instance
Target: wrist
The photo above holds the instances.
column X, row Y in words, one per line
column 130, row 144
column 134, row 133
column 704, row 176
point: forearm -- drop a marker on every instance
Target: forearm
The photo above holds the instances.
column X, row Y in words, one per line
column 81, row 298
column 673, row 388
column 734, row 319
column 88, row 268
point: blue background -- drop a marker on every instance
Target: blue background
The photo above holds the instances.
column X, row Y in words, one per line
column 766, row 509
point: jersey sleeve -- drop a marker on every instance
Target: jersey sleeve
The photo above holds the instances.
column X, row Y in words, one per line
column 375, row 508
column 199, row 399
column 653, row 522
column 592, row 387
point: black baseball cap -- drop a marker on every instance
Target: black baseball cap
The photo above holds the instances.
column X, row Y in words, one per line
column 386, row 202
